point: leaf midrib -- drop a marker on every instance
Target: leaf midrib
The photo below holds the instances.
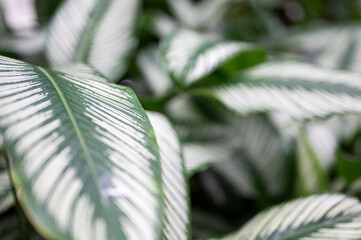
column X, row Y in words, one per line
column 311, row 227
column 86, row 39
column 78, row 133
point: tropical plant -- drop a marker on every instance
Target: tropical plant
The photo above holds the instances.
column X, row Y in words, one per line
column 180, row 119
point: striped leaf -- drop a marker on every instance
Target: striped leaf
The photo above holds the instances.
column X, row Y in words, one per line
column 6, row 195
column 311, row 173
column 155, row 75
column 200, row 156
column 81, row 70
column 176, row 224
column 334, row 47
column 300, row 90
column 95, row 32
column 83, row 155
column 253, row 172
column 327, row 216
column 190, row 56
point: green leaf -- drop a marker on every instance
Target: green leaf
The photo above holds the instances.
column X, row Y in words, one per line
column 175, row 186
column 348, row 166
column 81, row 70
column 300, row 90
column 6, row 195
column 330, row 46
column 311, row 174
column 191, row 56
column 95, row 32
column 83, row 155
column 199, row 156
column 155, row 75
column 253, row 171
column 327, row 216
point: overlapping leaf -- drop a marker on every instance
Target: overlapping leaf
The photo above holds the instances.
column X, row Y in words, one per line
column 190, row 56
column 83, row 155
column 95, row 32
column 328, row 216
column 175, row 187
column 6, row 195
column 300, row 90
column 333, row 47
column 156, row 77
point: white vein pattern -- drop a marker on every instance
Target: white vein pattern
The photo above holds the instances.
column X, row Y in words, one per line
column 334, row 47
column 85, row 31
column 82, row 154
column 81, row 70
column 300, row 90
column 199, row 156
column 6, row 196
column 155, row 75
column 311, row 172
column 327, row 216
column 190, row 56
column 173, row 176
column 258, row 133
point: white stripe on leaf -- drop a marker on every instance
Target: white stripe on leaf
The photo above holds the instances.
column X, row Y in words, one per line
column 83, row 31
column 300, row 90
column 174, row 179
column 82, row 154
column 190, row 56
column 327, row 216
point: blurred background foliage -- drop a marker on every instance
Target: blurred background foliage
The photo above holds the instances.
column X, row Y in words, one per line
column 237, row 165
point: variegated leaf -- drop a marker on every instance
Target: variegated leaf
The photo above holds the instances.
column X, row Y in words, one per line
column 155, row 75
column 6, row 195
column 327, row 216
column 83, row 155
column 190, row 56
column 95, row 32
column 81, row 70
column 200, row 156
column 311, row 173
column 333, row 46
column 175, row 187
column 300, row 90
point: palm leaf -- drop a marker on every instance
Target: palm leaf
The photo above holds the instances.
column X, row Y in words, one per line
column 327, row 216
column 190, row 56
column 99, row 33
column 300, row 90
column 175, row 186
column 83, row 155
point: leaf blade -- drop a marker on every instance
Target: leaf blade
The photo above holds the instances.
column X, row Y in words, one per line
column 68, row 148
column 84, row 32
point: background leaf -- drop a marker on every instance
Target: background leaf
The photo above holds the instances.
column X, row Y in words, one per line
column 190, row 56
column 300, row 90
column 84, row 32
column 175, row 184
column 328, row 216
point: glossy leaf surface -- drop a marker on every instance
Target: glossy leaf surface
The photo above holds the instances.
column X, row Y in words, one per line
column 83, row 155
column 175, row 186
